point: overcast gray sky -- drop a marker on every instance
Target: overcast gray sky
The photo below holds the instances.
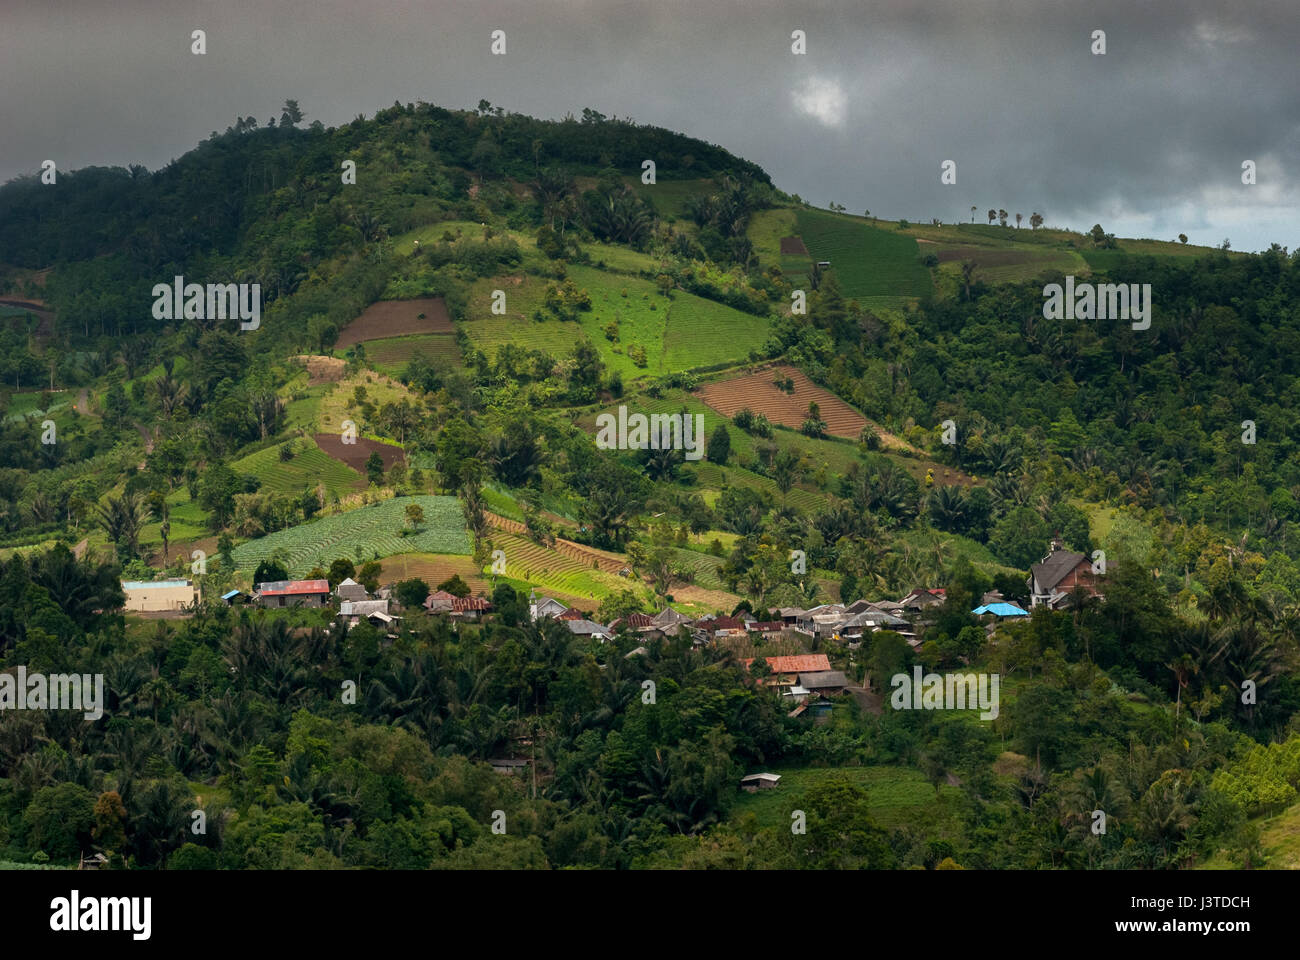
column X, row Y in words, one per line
column 1148, row 139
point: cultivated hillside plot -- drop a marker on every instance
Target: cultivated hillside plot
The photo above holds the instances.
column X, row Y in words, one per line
column 869, row 261
column 362, row 534
column 307, row 469
column 356, row 454
column 396, row 318
column 757, row 392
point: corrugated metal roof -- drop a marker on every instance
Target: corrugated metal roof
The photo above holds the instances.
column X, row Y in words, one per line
column 277, row 588
column 153, row 584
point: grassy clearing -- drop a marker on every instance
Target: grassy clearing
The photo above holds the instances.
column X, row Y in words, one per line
column 680, row 333
column 362, row 534
column 670, row 196
column 868, row 260
column 336, row 401
column 898, row 797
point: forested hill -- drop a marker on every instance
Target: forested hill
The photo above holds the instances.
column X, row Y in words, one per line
column 886, row 413
column 269, row 200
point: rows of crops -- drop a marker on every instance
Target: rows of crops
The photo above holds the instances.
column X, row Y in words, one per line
column 867, row 260
column 362, row 534
column 308, row 467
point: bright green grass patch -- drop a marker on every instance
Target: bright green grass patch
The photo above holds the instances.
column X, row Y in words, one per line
column 702, row 333
column 868, row 261
column 618, row 257
column 768, row 227
column 28, row 404
column 309, row 466
column 897, row 797
column 683, row 332
column 361, row 534
column 669, row 197
column 301, row 413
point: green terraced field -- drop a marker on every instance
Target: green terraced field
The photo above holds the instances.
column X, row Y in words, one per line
column 391, row 354
column 361, row 534
column 309, row 467
column 869, row 261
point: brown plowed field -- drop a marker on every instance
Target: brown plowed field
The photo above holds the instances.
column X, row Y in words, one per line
column 397, row 318
column 761, row 395
column 793, row 245
column 356, row 454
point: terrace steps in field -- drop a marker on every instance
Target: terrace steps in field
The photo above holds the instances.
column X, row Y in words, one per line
column 585, row 556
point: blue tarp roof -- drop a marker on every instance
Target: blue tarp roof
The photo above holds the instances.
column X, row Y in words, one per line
column 1001, row 610
column 230, row 593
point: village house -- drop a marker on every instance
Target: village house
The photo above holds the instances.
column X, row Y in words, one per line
column 824, row 682
column 669, row 621
column 349, row 589
column 785, row 670
column 921, row 598
column 539, row 608
column 589, row 628
column 153, row 596
column 789, row 615
column 1053, row 580
column 439, row 601
column 717, row 628
column 821, row 621
column 352, row 612
column 634, row 623
column 292, row 593
column 470, row 608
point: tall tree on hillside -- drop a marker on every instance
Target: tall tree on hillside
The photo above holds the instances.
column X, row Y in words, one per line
column 972, row 214
column 121, row 519
column 967, row 272
column 1002, row 217
column 1035, row 221
column 1019, row 217
column 993, row 215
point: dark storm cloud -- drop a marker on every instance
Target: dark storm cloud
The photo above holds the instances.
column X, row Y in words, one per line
column 1147, row 139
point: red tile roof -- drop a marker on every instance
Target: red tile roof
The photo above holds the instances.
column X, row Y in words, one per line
column 461, row 604
column 570, row 614
column 719, row 623
column 798, row 663
column 632, row 621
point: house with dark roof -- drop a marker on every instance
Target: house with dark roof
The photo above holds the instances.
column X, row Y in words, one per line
column 349, row 589
column 589, row 628
column 292, row 593
column 824, row 682
column 1053, row 580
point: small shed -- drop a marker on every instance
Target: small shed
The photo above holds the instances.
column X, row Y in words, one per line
column 759, row 781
